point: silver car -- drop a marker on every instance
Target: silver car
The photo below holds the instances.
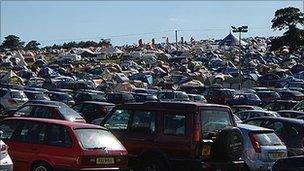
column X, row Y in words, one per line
column 262, row 147
column 6, row 163
column 11, row 99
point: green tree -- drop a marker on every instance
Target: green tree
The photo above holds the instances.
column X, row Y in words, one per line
column 288, row 19
column 32, row 45
column 12, row 42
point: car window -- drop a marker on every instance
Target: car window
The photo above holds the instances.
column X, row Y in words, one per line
column 98, row 138
column 213, row 120
column 2, row 93
column 77, row 107
column 268, row 139
column 255, row 122
column 8, row 127
column 42, row 112
column 175, row 124
column 118, row 120
column 68, row 113
column 243, row 115
column 254, row 115
column 18, row 94
column 277, row 126
column 26, row 111
column 143, row 121
column 31, row 132
column 58, row 136
column 89, row 108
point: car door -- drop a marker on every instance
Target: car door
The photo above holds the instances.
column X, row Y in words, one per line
column 141, row 133
column 25, row 143
column 174, row 135
column 58, row 146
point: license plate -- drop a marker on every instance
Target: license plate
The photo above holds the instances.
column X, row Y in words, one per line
column 206, row 150
column 105, row 160
column 276, row 155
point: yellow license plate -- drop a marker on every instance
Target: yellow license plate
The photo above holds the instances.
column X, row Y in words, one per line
column 105, row 160
column 206, row 150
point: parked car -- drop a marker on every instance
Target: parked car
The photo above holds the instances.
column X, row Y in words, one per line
column 291, row 113
column 91, row 110
column 49, row 111
column 289, row 164
column 6, row 163
column 237, row 108
column 281, row 105
column 197, row 98
column 170, row 95
column 299, row 106
column 248, row 114
column 47, row 144
column 35, row 95
column 245, row 99
column 291, row 95
column 119, row 97
column 262, row 147
column 11, row 99
column 219, row 96
column 268, row 96
column 143, row 97
column 185, row 135
column 89, row 95
column 290, row 131
column 61, row 97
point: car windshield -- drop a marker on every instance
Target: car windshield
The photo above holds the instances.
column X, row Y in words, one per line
column 69, row 113
column 18, row 94
column 98, row 139
column 253, row 96
column 214, row 120
column 98, row 96
column 40, row 96
column 268, row 139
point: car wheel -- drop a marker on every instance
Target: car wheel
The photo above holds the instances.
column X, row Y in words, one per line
column 41, row 167
column 153, row 164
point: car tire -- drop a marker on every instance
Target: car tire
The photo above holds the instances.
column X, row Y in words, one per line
column 229, row 144
column 153, row 164
column 41, row 166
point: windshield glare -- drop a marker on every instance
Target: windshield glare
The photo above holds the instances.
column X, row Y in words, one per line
column 69, row 113
column 268, row 139
column 98, row 139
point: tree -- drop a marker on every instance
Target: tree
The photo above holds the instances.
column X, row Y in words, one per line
column 32, row 45
column 12, row 42
column 288, row 19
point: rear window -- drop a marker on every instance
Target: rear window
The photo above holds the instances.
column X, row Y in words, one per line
column 98, row 139
column 268, row 139
column 214, row 120
column 69, row 113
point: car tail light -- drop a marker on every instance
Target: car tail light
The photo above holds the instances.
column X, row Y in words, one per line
column 4, row 149
column 12, row 101
column 255, row 143
column 197, row 130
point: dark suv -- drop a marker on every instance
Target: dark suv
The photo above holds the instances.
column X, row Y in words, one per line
column 165, row 136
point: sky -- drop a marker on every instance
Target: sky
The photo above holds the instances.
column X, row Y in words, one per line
column 124, row 22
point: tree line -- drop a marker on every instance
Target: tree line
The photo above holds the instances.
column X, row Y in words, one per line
column 289, row 19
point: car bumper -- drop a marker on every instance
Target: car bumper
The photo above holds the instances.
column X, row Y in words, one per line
column 257, row 166
column 6, row 164
column 220, row 166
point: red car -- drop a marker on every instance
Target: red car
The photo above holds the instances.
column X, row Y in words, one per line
column 49, row 144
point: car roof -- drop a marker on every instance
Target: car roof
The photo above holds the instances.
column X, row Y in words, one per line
column 296, row 121
column 58, row 92
column 169, row 105
column 290, row 111
column 244, row 106
column 95, row 102
column 56, row 121
column 253, row 128
column 42, row 105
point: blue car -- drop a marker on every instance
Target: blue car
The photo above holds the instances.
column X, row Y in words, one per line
column 245, row 99
column 262, row 147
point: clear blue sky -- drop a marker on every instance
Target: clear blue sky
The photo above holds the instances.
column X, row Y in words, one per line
column 51, row 22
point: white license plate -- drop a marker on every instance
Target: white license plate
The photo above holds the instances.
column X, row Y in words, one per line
column 105, row 160
column 276, row 155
